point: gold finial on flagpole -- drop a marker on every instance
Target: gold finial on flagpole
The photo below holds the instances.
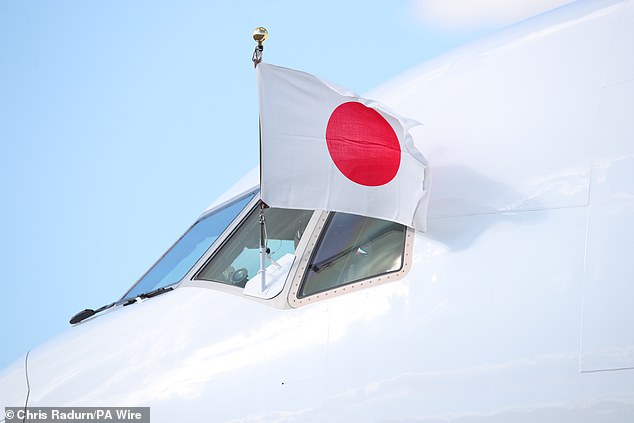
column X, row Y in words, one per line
column 259, row 36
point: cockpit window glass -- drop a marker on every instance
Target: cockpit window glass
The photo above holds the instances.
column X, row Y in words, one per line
column 238, row 259
column 175, row 264
column 353, row 248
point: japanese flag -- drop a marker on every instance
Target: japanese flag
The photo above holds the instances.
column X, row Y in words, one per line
column 323, row 147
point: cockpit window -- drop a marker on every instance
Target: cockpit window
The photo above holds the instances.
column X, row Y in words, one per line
column 353, row 248
column 179, row 259
column 238, row 259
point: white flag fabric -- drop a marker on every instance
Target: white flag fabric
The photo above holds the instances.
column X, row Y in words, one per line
column 324, row 147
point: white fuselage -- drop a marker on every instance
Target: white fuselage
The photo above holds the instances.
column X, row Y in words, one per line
column 518, row 305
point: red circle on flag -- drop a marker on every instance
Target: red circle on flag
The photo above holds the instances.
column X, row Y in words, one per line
column 362, row 144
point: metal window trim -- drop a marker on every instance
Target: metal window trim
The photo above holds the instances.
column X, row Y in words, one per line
column 295, row 301
column 212, row 247
column 280, row 300
column 190, row 277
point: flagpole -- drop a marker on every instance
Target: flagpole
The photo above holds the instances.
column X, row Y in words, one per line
column 263, row 252
column 259, row 36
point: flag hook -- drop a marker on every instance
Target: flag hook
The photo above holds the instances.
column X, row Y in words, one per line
column 259, row 36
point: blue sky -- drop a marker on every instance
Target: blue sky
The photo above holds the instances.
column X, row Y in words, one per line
column 121, row 121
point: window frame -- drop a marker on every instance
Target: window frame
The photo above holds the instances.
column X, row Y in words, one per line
column 189, row 278
column 295, row 301
column 280, row 300
column 252, row 213
column 289, row 296
column 211, row 248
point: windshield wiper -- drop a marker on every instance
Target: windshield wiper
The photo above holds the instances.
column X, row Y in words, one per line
column 82, row 315
column 89, row 312
column 328, row 261
column 148, row 294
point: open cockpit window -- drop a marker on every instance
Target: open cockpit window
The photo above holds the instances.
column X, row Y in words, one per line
column 238, row 259
column 184, row 254
column 352, row 252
